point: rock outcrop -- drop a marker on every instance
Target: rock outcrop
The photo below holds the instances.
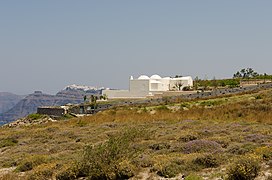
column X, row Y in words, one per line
column 31, row 102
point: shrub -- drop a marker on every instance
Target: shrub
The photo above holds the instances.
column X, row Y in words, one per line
column 31, row 162
column 187, row 138
column 256, row 138
column 197, row 146
column 108, row 160
column 193, row 177
column 11, row 141
column 258, row 97
column 169, row 170
column 68, row 116
column 265, row 152
column 67, row 174
column 125, row 170
column 43, row 174
column 243, row 169
column 184, row 105
column 81, row 123
column 35, row 116
column 207, row 161
column 162, row 108
column 240, row 149
column 159, row 146
column 143, row 161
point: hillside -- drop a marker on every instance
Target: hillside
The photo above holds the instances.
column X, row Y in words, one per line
column 8, row 100
column 220, row 138
column 70, row 94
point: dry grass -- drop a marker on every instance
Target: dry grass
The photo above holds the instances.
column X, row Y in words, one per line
column 237, row 126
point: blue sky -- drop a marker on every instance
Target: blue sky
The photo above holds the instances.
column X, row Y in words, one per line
column 46, row 45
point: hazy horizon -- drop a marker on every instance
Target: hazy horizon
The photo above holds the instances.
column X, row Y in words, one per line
column 47, row 45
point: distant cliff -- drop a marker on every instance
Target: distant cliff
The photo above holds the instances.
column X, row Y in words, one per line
column 8, row 100
column 70, row 94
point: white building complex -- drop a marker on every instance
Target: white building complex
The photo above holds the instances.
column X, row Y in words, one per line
column 149, row 86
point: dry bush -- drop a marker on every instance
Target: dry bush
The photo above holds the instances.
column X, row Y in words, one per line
column 110, row 160
column 11, row 141
column 11, row 176
column 170, row 170
column 30, row 162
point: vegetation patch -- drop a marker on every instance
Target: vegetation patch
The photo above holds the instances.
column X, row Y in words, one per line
column 31, row 162
column 35, row 116
column 207, row 161
column 109, row 160
column 170, row 170
column 159, row 146
column 187, row 138
column 200, row 146
column 241, row 149
column 246, row 168
column 131, row 142
column 11, row 141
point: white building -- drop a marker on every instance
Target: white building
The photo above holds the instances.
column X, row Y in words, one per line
column 148, row 86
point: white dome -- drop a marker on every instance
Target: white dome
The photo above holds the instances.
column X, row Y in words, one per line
column 143, row 77
column 155, row 76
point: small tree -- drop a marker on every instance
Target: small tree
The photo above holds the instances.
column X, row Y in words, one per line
column 178, row 85
column 178, row 76
column 93, row 99
column 196, row 82
column 246, row 74
column 214, row 83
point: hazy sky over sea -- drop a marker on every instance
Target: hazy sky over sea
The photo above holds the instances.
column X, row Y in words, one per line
column 46, row 45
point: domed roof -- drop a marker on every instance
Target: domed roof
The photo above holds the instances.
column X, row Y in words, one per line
column 143, row 77
column 155, row 76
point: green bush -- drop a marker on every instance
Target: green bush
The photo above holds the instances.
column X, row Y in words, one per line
column 162, row 108
column 184, row 105
column 68, row 116
column 193, row 177
column 35, row 116
column 243, row 169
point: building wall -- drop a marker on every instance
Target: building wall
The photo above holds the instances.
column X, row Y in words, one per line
column 166, row 84
column 111, row 94
column 51, row 111
column 185, row 81
column 139, row 86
